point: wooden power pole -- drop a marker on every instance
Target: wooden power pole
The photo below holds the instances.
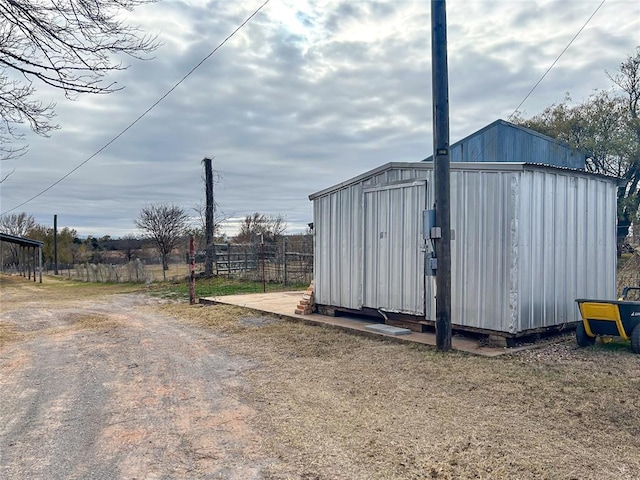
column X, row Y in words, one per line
column 440, row 92
column 55, row 244
column 208, row 235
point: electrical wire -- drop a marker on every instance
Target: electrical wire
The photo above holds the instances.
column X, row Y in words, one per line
column 517, row 109
column 556, row 60
column 142, row 115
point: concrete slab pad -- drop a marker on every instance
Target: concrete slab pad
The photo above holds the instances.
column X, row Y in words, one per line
column 284, row 305
column 388, row 329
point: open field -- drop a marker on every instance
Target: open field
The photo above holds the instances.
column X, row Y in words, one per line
column 315, row 403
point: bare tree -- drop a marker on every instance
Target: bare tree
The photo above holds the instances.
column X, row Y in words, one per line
column 130, row 244
column 20, row 225
column 165, row 225
column 260, row 226
column 219, row 217
column 66, row 44
column 629, row 82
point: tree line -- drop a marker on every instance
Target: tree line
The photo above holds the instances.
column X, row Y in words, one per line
column 71, row 248
column 164, row 227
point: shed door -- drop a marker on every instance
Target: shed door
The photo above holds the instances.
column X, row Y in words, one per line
column 393, row 277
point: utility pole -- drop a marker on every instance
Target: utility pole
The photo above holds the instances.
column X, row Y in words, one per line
column 208, row 236
column 440, row 92
column 55, row 244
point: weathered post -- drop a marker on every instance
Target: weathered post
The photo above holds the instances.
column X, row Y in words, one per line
column 284, row 261
column 264, row 284
column 209, row 210
column 192, row 270
column 55, row 244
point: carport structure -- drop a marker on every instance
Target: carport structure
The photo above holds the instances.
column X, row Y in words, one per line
column 25, row 254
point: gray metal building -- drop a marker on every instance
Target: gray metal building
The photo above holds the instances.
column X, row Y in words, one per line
column 502, row 141
column 529, row 240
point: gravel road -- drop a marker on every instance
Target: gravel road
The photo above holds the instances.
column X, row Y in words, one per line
column 107, row 389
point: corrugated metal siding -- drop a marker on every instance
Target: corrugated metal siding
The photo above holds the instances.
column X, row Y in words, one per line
column 566, row 245
column 393, row 255
column 338, row 247
column 482, row 213
column 397, row 175
column 503, row 142
column 338, row 267
column 528, row 242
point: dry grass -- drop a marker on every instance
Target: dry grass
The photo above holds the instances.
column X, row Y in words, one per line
column 88, row 321
column 7, row 334
column 17, row 289
column 177, row 271
column 338, row 406
column 335, row 405
column 17, row 292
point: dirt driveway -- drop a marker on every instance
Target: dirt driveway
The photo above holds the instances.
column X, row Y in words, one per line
column 104, row 389
column 97, row 385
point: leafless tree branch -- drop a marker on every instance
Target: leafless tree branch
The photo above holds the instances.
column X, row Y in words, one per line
column 7, row 175
column 67, row 44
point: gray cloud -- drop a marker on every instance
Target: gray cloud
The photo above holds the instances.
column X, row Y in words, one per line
column 301, row 100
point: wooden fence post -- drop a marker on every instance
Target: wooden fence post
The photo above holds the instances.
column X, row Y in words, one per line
column 264, row 285
column 284, row 262
column 192, row 270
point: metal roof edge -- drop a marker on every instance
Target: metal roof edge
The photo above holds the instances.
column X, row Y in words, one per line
column 362, row 176
column 465, row 166
column 516, row 126
column 538, row 134
column 579, row 171
column 5, row 237
column 420, row 165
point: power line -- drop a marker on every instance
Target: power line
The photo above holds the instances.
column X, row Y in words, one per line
column 556, row 60
column 493, row 139
column 122, row 132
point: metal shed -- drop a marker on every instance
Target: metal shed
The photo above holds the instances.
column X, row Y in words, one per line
column 502, row 141
column 529, row 240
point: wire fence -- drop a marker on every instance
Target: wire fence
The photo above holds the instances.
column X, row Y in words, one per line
column 131, row 272
column 288, row 262
column 629, row 276
column 281, row 262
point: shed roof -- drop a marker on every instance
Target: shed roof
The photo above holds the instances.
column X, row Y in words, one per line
column 503, row 141
column 22, row 241
column 461, row 166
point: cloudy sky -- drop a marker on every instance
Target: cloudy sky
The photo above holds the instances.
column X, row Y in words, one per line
column 308, row 94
